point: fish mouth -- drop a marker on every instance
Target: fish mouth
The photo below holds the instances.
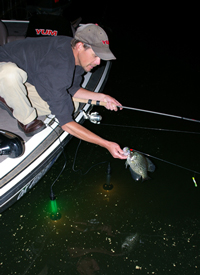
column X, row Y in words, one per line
column 126, row 151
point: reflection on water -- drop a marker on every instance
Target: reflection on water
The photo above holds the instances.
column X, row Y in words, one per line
column 161, row 214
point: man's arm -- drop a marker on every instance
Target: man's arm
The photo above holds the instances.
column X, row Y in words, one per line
column 81, row 132
column 85, row 94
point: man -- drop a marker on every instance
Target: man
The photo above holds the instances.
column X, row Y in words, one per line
column 38, row 76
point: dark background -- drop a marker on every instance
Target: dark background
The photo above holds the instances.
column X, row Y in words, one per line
column 157, row 49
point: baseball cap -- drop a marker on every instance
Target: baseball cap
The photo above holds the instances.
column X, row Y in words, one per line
column 96, row 37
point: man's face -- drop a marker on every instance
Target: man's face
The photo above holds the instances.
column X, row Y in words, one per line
column 87, row 59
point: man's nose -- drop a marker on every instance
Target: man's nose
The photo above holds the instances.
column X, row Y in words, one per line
column 98, row 61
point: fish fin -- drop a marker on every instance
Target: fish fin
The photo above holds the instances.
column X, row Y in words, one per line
column 151, row 166
column 126, row 164
column 134, row 175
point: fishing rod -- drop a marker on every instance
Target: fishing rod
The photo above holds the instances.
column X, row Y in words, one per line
column 101, row 103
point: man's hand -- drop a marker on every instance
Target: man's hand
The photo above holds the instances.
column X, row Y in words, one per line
column 115, row 150
column 112, row 103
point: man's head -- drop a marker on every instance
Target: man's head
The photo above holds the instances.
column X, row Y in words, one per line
column 90, row 45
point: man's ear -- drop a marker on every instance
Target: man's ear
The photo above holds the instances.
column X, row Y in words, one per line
column 79, row 46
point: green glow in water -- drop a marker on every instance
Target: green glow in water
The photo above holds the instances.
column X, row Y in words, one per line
column 55, row 215
column 54, row 207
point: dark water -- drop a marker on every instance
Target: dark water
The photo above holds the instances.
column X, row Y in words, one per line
column 150, row 73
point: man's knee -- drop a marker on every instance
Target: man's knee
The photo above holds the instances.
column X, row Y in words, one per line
column 11, row 72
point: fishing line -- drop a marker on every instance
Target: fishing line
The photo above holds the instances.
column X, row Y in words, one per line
column 75, row 156
column 171, row 163
column 79, row 170
column 168, row 162
column 148, row 128
column 64, row 165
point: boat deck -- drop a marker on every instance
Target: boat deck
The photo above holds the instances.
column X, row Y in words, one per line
column 9, row 124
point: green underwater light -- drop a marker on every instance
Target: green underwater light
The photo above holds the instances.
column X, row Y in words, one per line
column 55, row 215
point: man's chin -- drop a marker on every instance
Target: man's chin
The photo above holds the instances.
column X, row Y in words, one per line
column 87, row 70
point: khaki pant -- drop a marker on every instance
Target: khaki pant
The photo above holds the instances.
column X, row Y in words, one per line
column 20, row 95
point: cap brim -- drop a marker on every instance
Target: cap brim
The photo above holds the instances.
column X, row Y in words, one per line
column 104, row 55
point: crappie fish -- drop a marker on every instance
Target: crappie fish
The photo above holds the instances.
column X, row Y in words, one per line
column 139, row 164
column 129, row 243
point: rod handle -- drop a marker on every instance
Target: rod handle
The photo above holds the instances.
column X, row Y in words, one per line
column 89, row 101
